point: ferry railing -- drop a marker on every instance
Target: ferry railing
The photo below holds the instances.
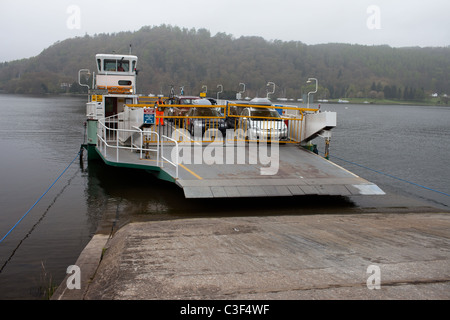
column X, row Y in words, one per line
column 176, row 118
column 144, row 139
column 108, row 138
column 287, row 123
column 163, row 158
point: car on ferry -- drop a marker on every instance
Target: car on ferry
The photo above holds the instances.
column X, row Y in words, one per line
column 200, row 119
column 234, row 111
column 236, row 108
column 178, row 111
column 261, row 123
column 212, row 100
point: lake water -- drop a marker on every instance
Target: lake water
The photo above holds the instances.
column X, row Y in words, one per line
column 40, row 136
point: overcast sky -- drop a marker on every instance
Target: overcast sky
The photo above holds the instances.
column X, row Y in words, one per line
column 29, row 26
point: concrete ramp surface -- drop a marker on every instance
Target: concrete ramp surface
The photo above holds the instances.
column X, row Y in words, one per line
column 275, row 257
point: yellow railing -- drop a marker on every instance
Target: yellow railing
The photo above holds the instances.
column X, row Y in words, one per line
column 287, row 127
column 268, row 128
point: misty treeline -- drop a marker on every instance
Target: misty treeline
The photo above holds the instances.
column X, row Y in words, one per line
column 190, row 58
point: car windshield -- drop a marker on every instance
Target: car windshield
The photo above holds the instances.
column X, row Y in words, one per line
column 186, row 101
column 205, row 112
column 264, row 113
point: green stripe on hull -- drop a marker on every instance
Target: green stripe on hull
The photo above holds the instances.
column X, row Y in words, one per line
column 162, row 175
column 91, row 152
column 155, row 170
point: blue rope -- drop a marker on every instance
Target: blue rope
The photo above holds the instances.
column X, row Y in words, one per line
column 394, row 177
column 17, row 223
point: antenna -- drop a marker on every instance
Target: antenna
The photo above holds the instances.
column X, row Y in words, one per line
column 130, row 49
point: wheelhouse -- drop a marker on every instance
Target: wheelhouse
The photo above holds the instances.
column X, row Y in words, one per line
column 116, row 64
column 116, row 73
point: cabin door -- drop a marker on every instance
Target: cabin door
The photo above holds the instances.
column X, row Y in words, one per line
column 110, row 106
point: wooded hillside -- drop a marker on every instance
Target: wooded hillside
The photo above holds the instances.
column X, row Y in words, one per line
column 194, row 58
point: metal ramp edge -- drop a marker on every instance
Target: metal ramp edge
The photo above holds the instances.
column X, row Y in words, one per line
column 276, row 188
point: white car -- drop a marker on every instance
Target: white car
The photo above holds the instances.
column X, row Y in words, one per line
column 263, row 124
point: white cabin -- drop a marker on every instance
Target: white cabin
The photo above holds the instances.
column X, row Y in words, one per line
column 116, row 73
column 114, row 87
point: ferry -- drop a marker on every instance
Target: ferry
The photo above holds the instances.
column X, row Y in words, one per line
column 211, row 148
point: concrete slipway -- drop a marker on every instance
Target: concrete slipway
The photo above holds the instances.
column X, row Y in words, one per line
column 301, row 256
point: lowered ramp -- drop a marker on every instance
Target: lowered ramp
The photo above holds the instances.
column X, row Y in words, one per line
column 298, row 172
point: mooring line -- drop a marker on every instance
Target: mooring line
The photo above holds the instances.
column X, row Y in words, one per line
column 391, row 176
column 38, row 222
column 17, row 223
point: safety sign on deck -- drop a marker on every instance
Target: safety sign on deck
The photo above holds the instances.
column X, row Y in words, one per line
column 149, row 115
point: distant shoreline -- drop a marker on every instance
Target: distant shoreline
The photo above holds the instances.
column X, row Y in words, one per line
column 432, row 102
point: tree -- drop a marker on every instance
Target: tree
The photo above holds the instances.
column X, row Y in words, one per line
column 373, row 94
column 190, row 57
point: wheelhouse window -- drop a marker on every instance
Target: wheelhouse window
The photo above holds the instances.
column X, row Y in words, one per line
column 109, row 65
column 116, row 65
column 123, row 66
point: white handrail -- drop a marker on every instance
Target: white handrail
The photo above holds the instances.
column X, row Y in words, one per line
column 113, row 133
column 157, row 145
column 140, row 140
column 169, row 161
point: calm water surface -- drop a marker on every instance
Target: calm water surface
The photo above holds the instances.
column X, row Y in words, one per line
column 408, row 142
column 40, row 136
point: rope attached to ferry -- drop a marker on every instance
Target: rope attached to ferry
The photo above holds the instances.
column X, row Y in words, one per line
column 59, row 177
